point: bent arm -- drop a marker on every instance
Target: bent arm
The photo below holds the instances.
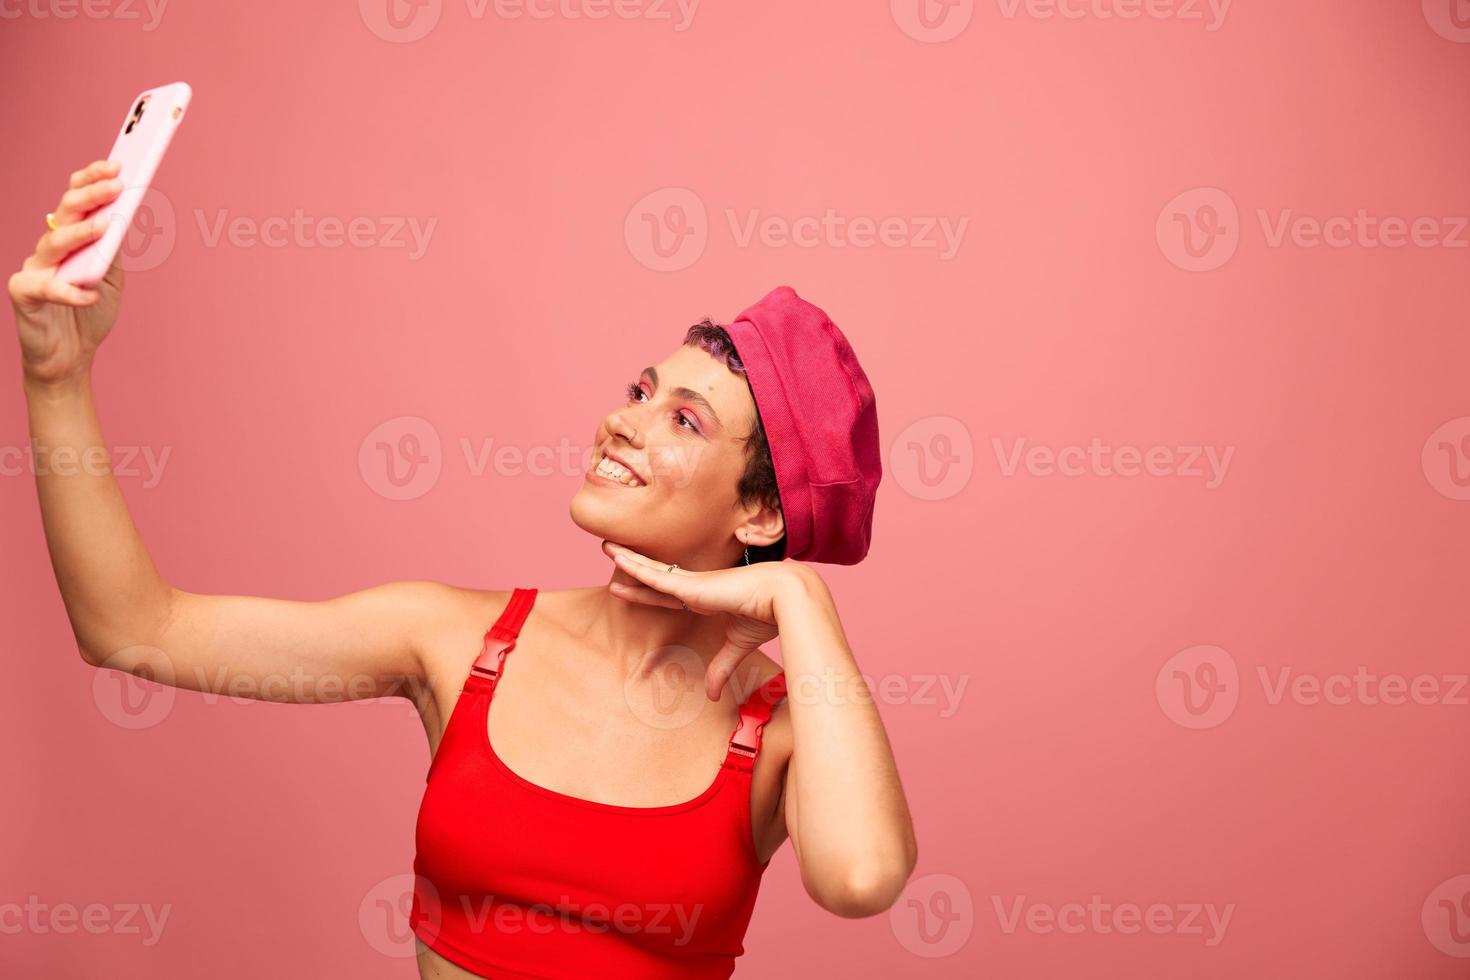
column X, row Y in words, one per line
column 125, row 616
column 843, row 802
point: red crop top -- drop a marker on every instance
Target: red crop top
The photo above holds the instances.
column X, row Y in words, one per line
column 514, row 880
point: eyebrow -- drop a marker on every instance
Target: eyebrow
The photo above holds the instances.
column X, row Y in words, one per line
column 688, row 394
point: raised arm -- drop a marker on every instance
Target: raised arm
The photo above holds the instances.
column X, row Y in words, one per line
column 843, row 803
column 123, row 614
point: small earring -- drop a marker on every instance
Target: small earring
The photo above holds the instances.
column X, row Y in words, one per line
column 747, row 554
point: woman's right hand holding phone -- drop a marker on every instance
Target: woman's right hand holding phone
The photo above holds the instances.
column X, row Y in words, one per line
column 60, row 324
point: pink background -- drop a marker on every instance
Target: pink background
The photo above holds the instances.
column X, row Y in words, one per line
column 1079, row 609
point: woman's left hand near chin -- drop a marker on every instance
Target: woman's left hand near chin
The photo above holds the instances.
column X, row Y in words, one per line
column 747, row 594
column 842, row 802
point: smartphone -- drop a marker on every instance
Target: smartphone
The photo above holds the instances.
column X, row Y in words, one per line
column 141, row 142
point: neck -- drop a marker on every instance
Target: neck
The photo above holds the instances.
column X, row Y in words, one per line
column 642, row 639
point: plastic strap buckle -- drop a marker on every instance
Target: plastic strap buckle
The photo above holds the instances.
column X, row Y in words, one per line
column 482, row 667
column 747, row 738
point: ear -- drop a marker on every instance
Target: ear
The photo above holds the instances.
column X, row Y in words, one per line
column 763, row 526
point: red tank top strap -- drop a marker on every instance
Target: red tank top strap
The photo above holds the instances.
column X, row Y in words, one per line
column 500, row 639
column 755, row 711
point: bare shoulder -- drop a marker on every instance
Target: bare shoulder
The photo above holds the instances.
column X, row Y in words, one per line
column 755, row 670
column 420, row 611
column 465, row 614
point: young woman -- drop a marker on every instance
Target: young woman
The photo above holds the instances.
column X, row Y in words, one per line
column 580, row 828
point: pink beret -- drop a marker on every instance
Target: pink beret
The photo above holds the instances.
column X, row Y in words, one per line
column 821, row 422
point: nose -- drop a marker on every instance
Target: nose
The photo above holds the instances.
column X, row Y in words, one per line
column 621, row 423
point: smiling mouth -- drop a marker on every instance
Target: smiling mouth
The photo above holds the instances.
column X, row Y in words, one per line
column 616, row 473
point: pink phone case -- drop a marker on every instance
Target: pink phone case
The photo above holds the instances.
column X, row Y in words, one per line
column 141, row 142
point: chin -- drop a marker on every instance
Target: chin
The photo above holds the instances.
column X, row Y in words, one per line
column 604, row 519
column 600, row 518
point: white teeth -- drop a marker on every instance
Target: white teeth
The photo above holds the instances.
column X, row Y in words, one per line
column 617, row 472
